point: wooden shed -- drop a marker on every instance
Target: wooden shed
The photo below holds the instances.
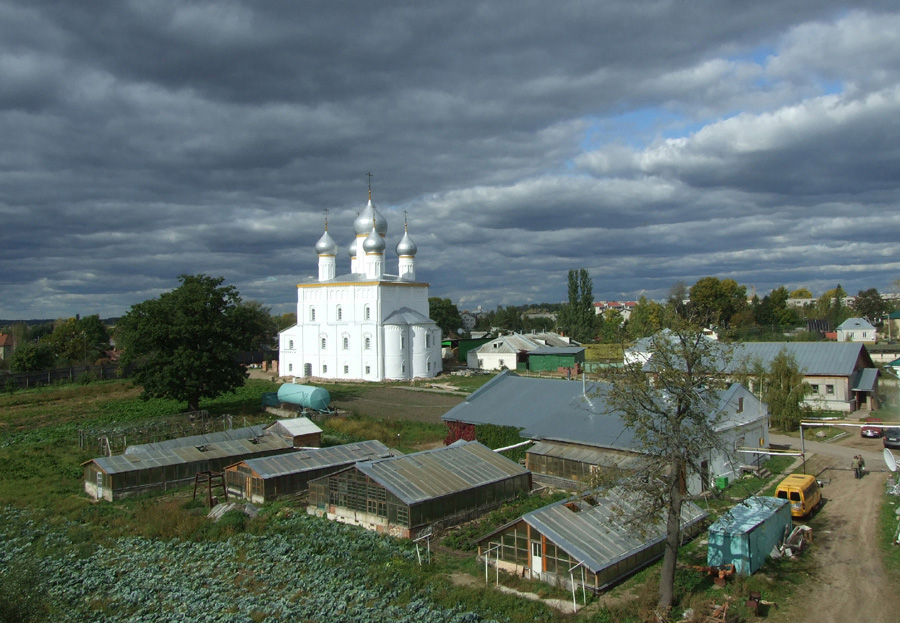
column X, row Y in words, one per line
column 269, row 478
column 299, row 430
column 404, row 496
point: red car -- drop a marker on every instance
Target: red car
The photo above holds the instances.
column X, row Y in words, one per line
column 871, row 429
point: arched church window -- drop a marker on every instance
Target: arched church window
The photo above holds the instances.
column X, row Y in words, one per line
column 312, row 314
column 367, row 313
column 324, row 368
column 340, row 313
column 346, row 343
column 291, row 345
column 368, row 343
column 324, row 343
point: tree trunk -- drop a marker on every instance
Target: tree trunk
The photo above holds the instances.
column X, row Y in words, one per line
column 673, row 537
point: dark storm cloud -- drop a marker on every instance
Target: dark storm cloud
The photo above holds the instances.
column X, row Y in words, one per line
column 646, row 142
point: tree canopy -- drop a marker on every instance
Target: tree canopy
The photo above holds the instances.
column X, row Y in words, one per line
column 445, row 314
column 184, row 343
column 673, row 419
column 714, row 302
column 577, row 317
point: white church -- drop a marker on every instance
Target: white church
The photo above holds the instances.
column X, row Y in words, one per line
column 366, row 325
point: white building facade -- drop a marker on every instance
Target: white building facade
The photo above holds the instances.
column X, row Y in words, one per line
column 367, row 324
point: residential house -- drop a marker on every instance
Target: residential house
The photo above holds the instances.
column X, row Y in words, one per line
column 577, row 433
column 856, row 330
column 6, row 345
column 509, row 351
column 842, row 375
column 406, row 496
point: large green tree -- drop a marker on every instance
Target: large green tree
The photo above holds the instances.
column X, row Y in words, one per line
column 673, row 419
column 577, row 318
column 79, row 339
column 784, row 389
column 445, row 314
column 714, row 302
column 32, row 357
column 647, row 318
column 868, row 304
column 183, row 344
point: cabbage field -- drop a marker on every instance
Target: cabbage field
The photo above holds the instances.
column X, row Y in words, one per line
column 301, row 569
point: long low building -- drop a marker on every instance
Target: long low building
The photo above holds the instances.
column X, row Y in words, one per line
column 270, row 478
column 404, row 496
column 586, row 540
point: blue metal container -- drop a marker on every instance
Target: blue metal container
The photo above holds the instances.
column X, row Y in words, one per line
column 746, row 534
column 315, row 398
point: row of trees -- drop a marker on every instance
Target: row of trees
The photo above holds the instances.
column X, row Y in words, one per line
column 65, row 342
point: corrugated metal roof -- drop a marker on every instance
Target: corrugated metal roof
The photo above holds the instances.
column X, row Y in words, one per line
column 868, row 377
column 558, row 350
column 597, row 535
column 747, row 515
column 435, row 473
column 588, row 454
column 247, row 432
column 813, row 358
column 297, row 426
column 561, row 410
column 188, row 454
column 851, row 324
column 305, row 460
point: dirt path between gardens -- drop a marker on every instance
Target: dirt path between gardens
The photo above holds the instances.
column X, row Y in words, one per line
column 851, row 584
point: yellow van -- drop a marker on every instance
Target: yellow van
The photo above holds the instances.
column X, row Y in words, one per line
column 803, row 492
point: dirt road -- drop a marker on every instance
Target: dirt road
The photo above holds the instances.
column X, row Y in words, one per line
column 852, row 584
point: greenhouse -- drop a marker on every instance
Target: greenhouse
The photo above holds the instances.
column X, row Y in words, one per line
column 300, row 430
column 269, row 478
column 578, row 462
column 114, row 477
column 584, row 541
column 404, row 496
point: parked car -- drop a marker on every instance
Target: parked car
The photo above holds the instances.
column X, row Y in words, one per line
column 872, row 428
column 891, row 438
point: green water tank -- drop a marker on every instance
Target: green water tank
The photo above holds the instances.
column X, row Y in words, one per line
column 316, row 398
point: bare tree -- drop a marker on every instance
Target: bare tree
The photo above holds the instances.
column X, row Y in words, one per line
column 672, row 408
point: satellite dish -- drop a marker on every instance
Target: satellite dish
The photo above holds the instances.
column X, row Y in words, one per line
column 890, row 460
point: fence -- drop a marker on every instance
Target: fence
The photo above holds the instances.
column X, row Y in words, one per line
column 26, row 380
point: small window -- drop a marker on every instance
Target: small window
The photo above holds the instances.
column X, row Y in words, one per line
column 403, row 368
column 829, row 390
column 324, row 343
column 402, row 342
column 501, row 363
column 290, row 367
column 346, row 343
column 427, row 340
column 428, row 366
column 340, row 313
column 368, row 370
column 291, row 345
column 324, row 368
column 368, row 343
column 346, row 369
column 312, row 314
column 815, row 389
column 366, row 313
column 795, row 496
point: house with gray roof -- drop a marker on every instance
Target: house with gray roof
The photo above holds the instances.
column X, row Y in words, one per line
column 585, row 541
column 577, row 433
column 842, row 375
column 407, row 495
column 508, row 351
column 856, row 330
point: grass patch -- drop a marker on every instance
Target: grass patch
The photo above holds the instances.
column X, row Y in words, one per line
column 405, row 435
column 604, row 352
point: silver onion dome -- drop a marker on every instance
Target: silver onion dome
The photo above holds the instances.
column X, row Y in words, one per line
column 326, row 245
column 363, row 222
column 351, row 250
column 374, row 243
column 406, row 246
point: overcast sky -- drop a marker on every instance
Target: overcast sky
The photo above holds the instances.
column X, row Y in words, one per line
column 649, row 142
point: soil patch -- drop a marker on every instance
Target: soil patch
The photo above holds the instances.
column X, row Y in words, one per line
column 400, row 403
